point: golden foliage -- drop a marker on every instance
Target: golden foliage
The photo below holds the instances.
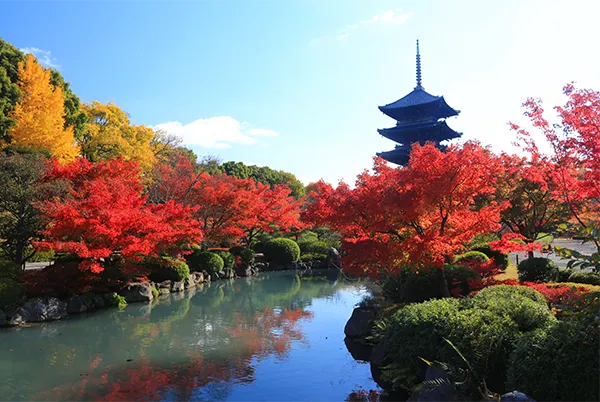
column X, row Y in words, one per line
column 39, row 114
column 109, row 134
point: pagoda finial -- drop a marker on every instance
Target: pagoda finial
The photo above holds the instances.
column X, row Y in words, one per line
column 418, row 68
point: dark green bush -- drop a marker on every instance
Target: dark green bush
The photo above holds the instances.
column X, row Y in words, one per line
column 313, row 257
column 206, row 261
column 537, row 269
column 500, row 259
column 9, row 269
column 167, row 268
column 484, row 329
column 458, row 276
column 560, row 363
column 228, row 258
column 11, row 292
column 591, row 278
column 471, row 256
column 319, row 247
column 411, row 286
column 246, row 254
column 564, row 274
column 282, row 251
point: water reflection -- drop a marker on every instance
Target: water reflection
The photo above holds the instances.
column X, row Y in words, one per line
column 195, row 345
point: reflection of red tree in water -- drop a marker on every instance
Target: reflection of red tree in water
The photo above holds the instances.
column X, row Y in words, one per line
column 267, row 332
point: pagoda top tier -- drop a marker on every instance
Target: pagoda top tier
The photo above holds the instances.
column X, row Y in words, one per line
column 418, row 105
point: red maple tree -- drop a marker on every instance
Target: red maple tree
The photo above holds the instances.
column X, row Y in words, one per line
column 228, row 208
column 417, row 216
column 105, row 214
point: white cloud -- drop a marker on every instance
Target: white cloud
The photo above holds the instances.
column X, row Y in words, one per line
column 389, row 17
column 215, row 132
column 44, row 57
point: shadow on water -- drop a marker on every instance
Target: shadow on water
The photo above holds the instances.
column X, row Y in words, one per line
column 196, row 345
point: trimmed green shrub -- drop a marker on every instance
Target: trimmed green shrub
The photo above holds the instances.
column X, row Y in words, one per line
column 155, row 292
column 458, row 276
column 484, row 329
column 228, row 258
column 560, row 363
column 591, row 278
column 313, row 247
column 471, row 256
column 527, row 313
column 246, row 254
column 9, row 269
column 167, row 268
column 508, row 292
column 115, row 300
column 537, row 269
column 564, row 274
column 500, row 259
column 313, row 257
column 206, row 261
column 282, row 251
column 11, row 292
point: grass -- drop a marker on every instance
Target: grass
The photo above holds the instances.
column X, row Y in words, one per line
column 509, row 273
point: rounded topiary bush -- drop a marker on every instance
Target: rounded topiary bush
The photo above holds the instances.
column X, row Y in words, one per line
column 471, row 256
column 168, row 269
column 319, row 247
column 560, row 363
column 246, row 254
column 228, row 258
column 508, row 291
column 591, row 278
column 206, row 261
column 282, row 251
column 528, row 313
column 313, row 257
column 537, row 269
column 458, row 278
column 411, row 286
column 11, row 292
column 500, row 259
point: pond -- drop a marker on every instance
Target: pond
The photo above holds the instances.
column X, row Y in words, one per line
column 275, row 337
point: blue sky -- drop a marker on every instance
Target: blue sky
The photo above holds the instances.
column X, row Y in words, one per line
column 295, row 84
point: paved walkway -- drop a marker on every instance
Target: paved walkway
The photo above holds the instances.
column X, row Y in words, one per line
column 587, row 248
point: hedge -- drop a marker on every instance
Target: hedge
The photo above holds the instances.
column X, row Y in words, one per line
column 11, row 292
column 537, row 269
column 167, row 268
column 591, row 278
column 282, row 251
column 206, row 261
column 500, row 259
column 471, row 256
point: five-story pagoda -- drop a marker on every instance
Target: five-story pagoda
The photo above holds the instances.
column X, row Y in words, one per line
column 420, row 117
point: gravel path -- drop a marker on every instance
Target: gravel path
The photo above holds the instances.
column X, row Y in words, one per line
column 587, row 248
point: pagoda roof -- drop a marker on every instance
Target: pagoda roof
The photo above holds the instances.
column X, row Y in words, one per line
column 399, row 156
column 420, row 132
column 418, row 105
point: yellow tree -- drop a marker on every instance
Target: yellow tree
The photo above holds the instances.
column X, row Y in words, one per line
column 109, row 134
column 39, row 114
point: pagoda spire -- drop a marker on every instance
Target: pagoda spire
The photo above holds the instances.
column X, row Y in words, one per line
column 418, row 68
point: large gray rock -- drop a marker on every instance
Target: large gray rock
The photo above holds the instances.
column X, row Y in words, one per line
column 359, row 324
column 137, row 292
column 442, row 392
column 358, row 349
column 334, row 259
column 197, row 277
column 76, row 305
column 177, row 286
column 380, row 357
column 163, row 285
column 206, row 276
column 99, row 301
column 516, row 396
column 2, row 318
column 164, row 291
column 189, row 283
column 39, row 310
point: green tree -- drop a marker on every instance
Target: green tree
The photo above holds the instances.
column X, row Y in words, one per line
column 74, row 116
column 265, row 175
column 22, row 187
column 10, row 57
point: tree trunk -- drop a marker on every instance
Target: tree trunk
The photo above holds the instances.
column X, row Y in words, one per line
column 443, row 290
